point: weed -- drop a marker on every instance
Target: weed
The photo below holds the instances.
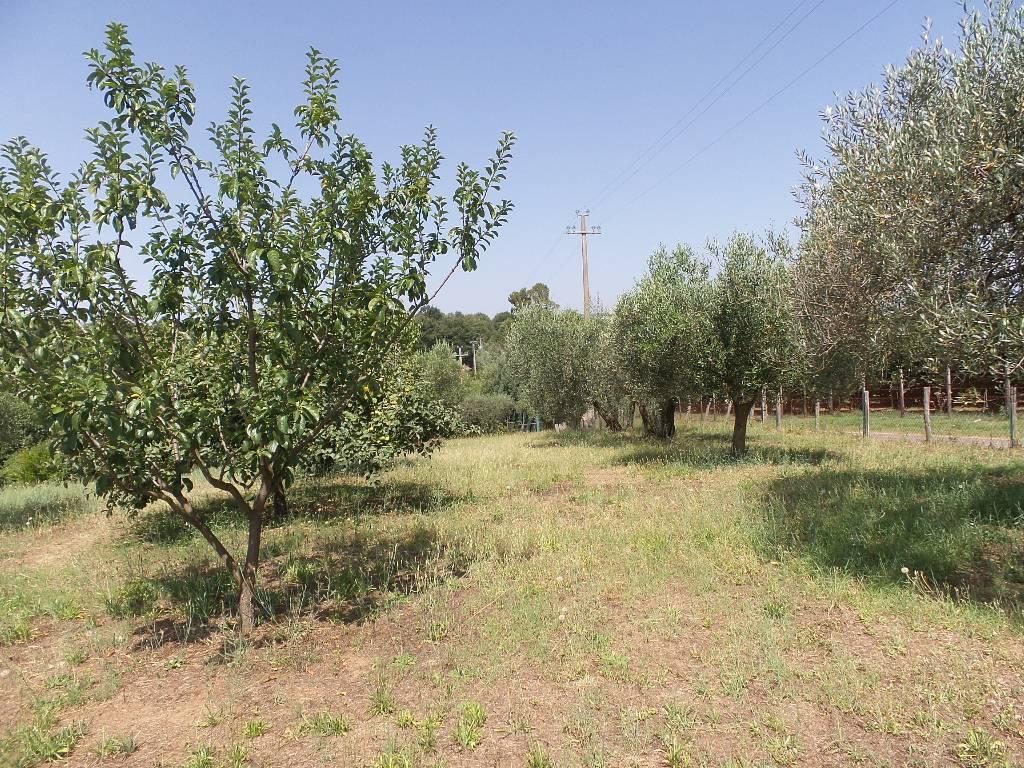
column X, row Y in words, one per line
column 324, row 723
column 211, row 717
column 200, row 757
column 405, row 719
column 394, row 757
column 253, row 729
column 116, row 746
column 382, row 700
column 75, row 657
column 469, row 729
column 427, row 733
column 980, row 750
column 237, row 757
column 537, row 757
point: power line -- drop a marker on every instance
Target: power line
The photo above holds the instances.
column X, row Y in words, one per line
column 671, row 134
column 756, row 109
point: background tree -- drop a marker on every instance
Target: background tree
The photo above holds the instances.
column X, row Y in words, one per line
column 538, row 294
column 663, row 335
column 754, row 344
column 607, row 387
column 549, row 360
column 275, row 306
column 444, row 376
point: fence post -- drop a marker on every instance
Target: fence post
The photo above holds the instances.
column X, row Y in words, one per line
column 949, row 392
column 817, row 415
column 865, row 406
column 778, row 410
column 903, row 402
column 927, row 414
column 1012, row 410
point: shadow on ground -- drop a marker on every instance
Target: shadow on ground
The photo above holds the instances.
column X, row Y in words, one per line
column 962, row 527
column 347, row 577
column 316, row 499
column 691, row 449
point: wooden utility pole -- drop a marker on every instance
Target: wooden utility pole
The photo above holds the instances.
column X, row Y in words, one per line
column 583, row 230
column 902, row 401
column 817, row 415
column 865, row 406
column 474, row 345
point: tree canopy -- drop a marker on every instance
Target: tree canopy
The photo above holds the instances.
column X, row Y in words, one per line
column 284, row 271
column 913, row 227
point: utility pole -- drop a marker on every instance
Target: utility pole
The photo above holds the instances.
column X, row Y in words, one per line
column 583, row 230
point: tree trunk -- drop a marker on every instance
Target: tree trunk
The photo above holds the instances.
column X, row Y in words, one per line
column 668, row 419
column 645, row 417
column 280, row 508
column 739, row 426
column 610, row 418
column 246, row 599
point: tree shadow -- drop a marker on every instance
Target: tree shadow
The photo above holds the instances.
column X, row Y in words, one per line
column 691, row 449
column 320, row 499
column 962, row 529
column 342, row 579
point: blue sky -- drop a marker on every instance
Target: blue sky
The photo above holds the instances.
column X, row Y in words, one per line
column 586, row 86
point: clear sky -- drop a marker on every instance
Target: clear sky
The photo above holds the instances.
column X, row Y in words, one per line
column 587, row 86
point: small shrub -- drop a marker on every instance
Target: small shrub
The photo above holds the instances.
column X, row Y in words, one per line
column 487, row 413
column 30, row 465
column 18, row 425
column 136, row 598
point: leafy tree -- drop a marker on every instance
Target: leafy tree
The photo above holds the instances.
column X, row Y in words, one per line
column 663, row 335
column 755, row 337
column 18, row 425
column 914, row 228
column 524, row 297
column 458, row 329
column 276, row 305
column 549, row 359
column 607, row 388
column 444, row 375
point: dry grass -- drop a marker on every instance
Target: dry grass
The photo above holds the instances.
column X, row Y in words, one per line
column 531, row 599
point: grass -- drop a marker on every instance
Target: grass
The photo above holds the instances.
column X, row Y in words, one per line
column 28, row 506
column 571, row 599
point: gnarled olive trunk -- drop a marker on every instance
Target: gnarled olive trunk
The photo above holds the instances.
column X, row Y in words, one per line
column 739, row 426
column 609, row 417
column 661, row 423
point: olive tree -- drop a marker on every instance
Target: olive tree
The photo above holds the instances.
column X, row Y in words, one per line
column 914, row 224
column 755, row 331
column 549, row 361
column 283, row 273
column 663, row 335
